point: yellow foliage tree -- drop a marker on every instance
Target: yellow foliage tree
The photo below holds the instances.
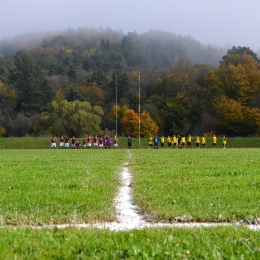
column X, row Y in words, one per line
column 130, row 124
column 148, row 126
column 59, row 95
column 6, row 92
column 236, row 118
column 120, row 112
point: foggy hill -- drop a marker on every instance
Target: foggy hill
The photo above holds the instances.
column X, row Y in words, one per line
column 153, row 49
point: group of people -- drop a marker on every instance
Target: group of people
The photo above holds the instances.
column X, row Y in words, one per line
column 105, row 142
column 183, row 142
column 87, row 142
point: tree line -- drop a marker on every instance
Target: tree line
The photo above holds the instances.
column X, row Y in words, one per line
column 68, row 84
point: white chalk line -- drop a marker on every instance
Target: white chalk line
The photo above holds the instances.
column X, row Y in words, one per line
column 129, row 218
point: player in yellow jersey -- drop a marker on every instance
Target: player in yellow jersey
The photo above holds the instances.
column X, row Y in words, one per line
column 150, row 143
column 189, row 139
column 162, row 140
column 203, row 142
column 224, row 141
column 174, row 141
column 214, row 141
column 197, row 141
column 169, row 141
column 183, row 141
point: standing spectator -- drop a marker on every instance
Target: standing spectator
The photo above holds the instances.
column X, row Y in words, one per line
column 67, row 144
column 129, row 142
column 73, row 142
column 61, row 142
column 53, row 142
column 115, row 142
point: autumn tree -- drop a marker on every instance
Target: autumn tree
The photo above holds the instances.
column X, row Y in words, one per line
column 120, row 111
column 240, row 82
column 92, row 94
column 148, row 126
column 235, row 85
column 130, row 123
column 184, row 75
column 236, row 118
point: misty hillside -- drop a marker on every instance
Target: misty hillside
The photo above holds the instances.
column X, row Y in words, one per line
column 184, row 88
column 153, row 49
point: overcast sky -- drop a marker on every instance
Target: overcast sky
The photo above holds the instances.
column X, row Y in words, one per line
column 221, row 22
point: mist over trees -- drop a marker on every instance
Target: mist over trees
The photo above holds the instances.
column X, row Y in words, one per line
column 63, row 83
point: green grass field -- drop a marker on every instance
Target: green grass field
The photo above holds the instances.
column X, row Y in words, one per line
column 44, row 143
column 58, row 186
column 210, row 185
column 180, row 243
column 47, row 186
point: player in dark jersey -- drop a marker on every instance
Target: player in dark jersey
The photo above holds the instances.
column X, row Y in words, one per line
column 89, row 142
column 73, row 142
column 95, row 142
column 53, row 142
column 67, row 144
column 84, row 142
column 155, row 142
column 115, row 141
column 101, row 143
column 61, row 142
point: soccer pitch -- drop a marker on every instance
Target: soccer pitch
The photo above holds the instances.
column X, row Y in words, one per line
column 41, row 189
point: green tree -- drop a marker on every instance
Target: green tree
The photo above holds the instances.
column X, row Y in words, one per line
column 74, row 94
column 33, row 90
column 71, row 118
column 231, row 54
column 122, row 81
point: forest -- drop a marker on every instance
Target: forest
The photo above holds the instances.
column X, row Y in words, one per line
column 69, row 84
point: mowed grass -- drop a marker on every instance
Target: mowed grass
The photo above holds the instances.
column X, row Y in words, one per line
column 212, row 185
column 58, row 186
column 180, row 243
column 71, row 186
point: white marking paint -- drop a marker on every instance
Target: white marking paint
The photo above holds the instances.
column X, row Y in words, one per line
column 129, row 218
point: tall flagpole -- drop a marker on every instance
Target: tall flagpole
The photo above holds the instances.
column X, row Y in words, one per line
column 116, row 103
column 139, row 109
